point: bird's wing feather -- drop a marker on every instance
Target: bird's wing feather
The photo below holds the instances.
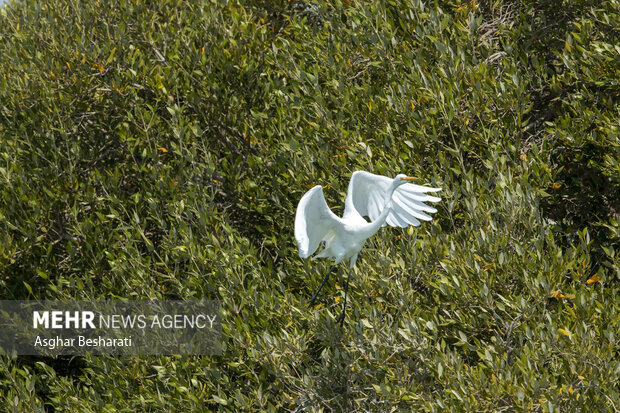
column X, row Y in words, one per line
column 366, row 193
column 314, row 221
column 404, row 207
column 366, row 196
column 404, row 198
column 417, row 192
column 375, row 205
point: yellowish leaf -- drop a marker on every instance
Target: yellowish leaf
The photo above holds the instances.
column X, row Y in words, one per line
column 557, row 294
column 594, row 279
column 556, row 186
column 570, row 389
column 564, row 332
column 161, row 148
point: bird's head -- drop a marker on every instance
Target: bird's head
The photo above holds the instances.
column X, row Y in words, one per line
column 403, row 179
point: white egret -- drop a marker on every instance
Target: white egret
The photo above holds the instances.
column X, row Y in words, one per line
column 394, row 202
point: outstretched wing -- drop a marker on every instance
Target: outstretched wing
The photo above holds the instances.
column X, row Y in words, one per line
column 366, row 196
column 314, row 222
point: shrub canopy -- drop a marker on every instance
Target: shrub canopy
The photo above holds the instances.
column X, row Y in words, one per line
column 157, row 150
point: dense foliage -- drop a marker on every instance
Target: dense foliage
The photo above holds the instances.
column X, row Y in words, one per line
column 158, row 149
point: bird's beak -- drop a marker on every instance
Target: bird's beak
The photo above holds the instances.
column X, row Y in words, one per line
column 409, row 178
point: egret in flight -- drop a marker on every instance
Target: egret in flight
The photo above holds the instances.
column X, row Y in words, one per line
column 395, row 202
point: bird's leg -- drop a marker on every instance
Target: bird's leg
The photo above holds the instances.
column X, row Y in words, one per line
column 322, row 284
column 344, row 306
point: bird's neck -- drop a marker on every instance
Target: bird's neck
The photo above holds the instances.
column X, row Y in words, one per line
column 376, row 225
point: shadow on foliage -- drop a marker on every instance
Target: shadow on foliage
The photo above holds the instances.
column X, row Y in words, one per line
column 585, row 198
column 65, row 366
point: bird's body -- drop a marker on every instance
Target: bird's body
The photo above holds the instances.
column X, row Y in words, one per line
column 384, row 200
